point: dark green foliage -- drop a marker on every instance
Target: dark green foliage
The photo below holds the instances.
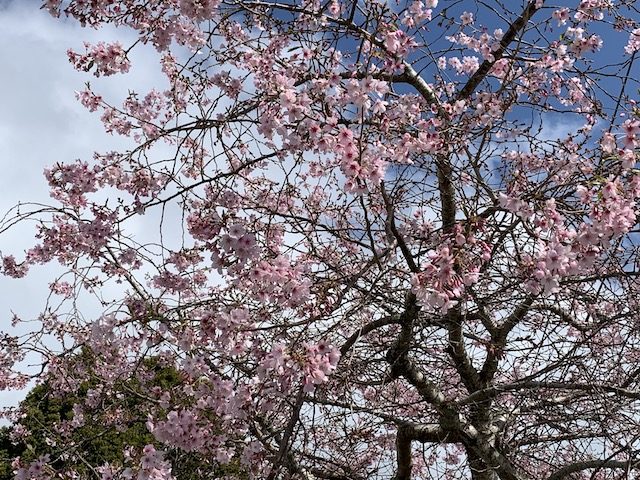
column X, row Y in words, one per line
column 8, row 451
column 94, row 442
column 97, row 442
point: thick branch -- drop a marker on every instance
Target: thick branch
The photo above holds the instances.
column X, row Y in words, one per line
column 529, row 385
column 479, row 470
column 450, row 418
column 567, row 470
column 457, row 351
column 402, row 365
column 403, row 456
column 408, row 432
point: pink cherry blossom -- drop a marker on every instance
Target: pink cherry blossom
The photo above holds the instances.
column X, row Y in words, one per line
column 371, row 240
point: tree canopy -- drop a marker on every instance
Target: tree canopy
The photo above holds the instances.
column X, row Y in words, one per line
column 375, row 240
column 50, row 427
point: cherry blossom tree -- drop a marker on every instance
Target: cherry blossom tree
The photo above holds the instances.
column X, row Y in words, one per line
column 381, row 240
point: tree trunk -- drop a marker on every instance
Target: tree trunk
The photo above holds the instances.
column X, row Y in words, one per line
column 479, row 470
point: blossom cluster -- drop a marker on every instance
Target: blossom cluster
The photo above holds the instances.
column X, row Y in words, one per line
column 317, row 362
column 418, row 12
column 239, row 242
column 633, row 45
column 231, row 332
column 278, row 281
column 359, row 167
column 36, row 470
column 107, row 58
column 198, row 9
column 70, row 182
column 442, row 280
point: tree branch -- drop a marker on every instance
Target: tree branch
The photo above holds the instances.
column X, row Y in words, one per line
column 508, row 37
column 591, row 464
column 364, row 330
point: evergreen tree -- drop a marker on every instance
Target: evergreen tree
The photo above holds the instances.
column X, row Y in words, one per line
column 42, row 429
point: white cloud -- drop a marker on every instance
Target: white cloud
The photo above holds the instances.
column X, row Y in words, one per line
column 42, row 123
